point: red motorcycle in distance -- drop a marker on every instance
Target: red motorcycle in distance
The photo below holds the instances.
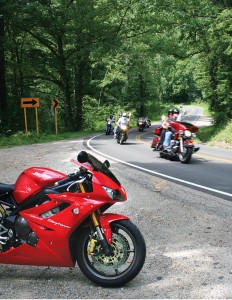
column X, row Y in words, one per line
column 182, row 143
column 50, row 219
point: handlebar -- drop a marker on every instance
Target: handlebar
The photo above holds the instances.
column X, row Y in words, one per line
column 71, row 177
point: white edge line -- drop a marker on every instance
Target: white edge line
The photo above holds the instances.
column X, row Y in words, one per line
column 156, row 173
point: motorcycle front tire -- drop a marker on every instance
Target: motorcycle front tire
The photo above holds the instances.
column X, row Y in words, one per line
column 122, row 139
column 129, row 252
column 186, row 156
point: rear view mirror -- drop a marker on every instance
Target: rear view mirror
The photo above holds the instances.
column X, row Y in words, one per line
column 83, row 157
column 106, row 163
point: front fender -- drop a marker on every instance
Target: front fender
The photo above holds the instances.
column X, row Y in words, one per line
column 106, row 220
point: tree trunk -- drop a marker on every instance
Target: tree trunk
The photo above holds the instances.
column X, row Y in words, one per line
column 79, row 94
column 213, row 84
column 3, row 94
column 141, row 95
column 65, row 86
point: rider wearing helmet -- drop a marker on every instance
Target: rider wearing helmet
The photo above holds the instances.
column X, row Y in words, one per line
column 170, row 113
column 174, row 114
column 123, row 120
column 166, row 129
column 110, row 119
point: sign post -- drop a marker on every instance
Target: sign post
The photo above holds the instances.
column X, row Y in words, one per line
column 55, row 105
column 30, row 103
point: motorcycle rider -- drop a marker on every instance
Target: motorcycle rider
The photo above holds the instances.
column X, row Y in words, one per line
column 165, row 124
column 169, row 132
column 123, row 120
column 110, row 122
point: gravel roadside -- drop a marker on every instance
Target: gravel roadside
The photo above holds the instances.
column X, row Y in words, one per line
column 187, row 234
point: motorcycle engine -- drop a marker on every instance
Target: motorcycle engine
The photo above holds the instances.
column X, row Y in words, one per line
column 24, row 232
column 174, row 145
column 7, row 232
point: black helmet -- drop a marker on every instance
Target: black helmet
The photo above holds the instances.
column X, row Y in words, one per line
column 170, row 111
column 120, row 115
column 175, row 111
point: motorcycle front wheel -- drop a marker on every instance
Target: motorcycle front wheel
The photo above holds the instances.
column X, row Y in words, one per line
column 186, row 155
column 129, row 252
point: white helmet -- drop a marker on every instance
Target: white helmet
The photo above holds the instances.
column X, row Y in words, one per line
column 124, row 114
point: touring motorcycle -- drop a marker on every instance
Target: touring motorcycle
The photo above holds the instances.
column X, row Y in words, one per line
column 48, row 218
column 182, row 143
column 141, row 124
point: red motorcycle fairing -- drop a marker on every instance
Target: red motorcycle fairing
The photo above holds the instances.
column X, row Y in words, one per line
column 54, row 231
column 101, row 180
column 157, row 130
column 155, row 141
column 32, row 180
column 183, row 126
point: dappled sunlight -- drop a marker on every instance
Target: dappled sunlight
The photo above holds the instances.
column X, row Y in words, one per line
column 184, row 253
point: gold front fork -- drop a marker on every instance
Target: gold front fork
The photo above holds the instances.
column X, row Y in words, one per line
column 96, row 225
column 101, row 237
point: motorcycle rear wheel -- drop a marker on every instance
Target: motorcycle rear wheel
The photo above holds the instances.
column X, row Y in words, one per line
column 186, row 156
column 115, row 270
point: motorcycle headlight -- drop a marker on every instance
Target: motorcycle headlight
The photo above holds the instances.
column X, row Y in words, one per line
column 123, row 127
column 187, row 133
column 114, row 194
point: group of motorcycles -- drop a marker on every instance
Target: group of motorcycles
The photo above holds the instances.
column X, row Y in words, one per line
column 182, row 143
column 122, row 134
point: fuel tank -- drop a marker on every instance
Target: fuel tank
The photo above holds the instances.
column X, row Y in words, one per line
column 32, row 180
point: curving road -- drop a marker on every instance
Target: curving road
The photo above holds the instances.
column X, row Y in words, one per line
column 209, row 170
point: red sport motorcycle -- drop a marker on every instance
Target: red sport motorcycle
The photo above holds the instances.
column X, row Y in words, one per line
column 182, row 143
column 50, row 219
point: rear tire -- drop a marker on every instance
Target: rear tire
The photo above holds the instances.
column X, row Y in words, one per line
column 115, row 270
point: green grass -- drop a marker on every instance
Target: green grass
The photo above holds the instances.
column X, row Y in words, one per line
column 216, row 136
column 20, row 138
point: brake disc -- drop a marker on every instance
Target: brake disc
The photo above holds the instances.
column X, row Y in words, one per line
column 120, row 247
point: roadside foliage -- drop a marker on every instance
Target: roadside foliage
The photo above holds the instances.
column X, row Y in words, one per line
column 102, row 56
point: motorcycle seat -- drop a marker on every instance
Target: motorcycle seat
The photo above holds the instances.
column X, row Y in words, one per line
column 6, row 188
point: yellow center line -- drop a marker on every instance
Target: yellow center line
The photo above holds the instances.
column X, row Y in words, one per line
column 214, row 158
column 138, row 138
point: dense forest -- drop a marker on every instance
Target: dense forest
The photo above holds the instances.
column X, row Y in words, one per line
column 103, row 56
